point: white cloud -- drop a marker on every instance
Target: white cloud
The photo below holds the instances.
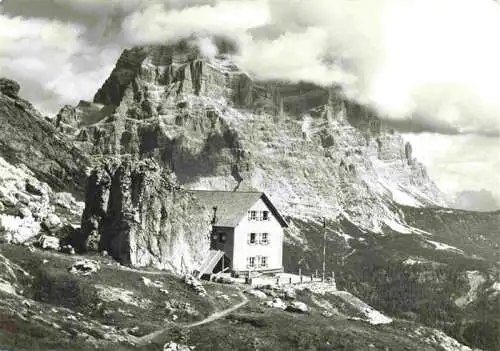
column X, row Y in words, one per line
column 157, row 23
column 52, row 61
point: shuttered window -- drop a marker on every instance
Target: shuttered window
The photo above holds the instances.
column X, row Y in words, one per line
column 264, row 238
column 265, row 215
column 252, row 238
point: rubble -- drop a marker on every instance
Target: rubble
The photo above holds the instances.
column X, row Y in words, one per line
column 195, row 284
column 172, row 346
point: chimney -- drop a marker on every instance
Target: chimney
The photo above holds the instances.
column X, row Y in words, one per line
column 214, row 218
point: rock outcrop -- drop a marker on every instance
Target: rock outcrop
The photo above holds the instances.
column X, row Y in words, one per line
column 30, row 139
column 141, row 217
column 29, row 207
column 9, row 87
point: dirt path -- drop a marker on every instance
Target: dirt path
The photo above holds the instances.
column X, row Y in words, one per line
column 218, row 315
column 146, row 339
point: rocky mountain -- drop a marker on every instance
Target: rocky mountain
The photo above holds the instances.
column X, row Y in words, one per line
column 313, row 151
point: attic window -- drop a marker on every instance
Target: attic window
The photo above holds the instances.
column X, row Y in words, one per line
column 265, row 215
column 252, row 215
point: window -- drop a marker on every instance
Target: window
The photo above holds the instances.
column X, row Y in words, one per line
column 263, row 261
column 251, row 261
column 264, row 238
column 222, row 237
column 265, row 215
column 252, row 238
column 252, row 215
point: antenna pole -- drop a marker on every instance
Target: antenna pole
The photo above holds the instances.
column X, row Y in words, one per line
column 324, row 247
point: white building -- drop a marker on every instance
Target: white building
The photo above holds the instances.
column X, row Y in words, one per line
column 247, row 232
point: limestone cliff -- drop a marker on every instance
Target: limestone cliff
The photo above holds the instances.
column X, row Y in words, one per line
column 311, row 149
column 136, row 212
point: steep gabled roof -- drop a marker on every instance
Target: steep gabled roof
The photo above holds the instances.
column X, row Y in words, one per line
column 232, row 206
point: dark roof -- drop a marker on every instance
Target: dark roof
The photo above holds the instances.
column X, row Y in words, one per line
column 232, row 206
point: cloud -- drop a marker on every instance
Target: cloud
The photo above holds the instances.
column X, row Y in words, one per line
column 52, row 60
column 158, row 23
column 427, row 66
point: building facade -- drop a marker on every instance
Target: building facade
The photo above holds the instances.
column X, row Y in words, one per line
column 247, row 228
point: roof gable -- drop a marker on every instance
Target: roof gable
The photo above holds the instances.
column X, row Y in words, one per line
column 232, row 206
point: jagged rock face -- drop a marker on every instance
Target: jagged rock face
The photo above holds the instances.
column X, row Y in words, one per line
column 29, row 139
column 143, row 218
column 312, row 150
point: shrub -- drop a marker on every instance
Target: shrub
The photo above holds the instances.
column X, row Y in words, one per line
column 64, row 289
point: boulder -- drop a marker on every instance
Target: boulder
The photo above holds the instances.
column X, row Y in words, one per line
column 9, row 87
column 17, row 230
column 276, row 303
column 297, row 306
column 84, row 267
column 68, row 249
column 257, row 293
column 172, row 346
column 51, row 222
column 327, row 314
column 48, row 242
column 149, row 283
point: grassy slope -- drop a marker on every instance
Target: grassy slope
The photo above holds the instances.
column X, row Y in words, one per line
column 254, row 327
column 424, row 292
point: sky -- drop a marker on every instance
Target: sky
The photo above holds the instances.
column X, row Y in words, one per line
column 429, row 66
